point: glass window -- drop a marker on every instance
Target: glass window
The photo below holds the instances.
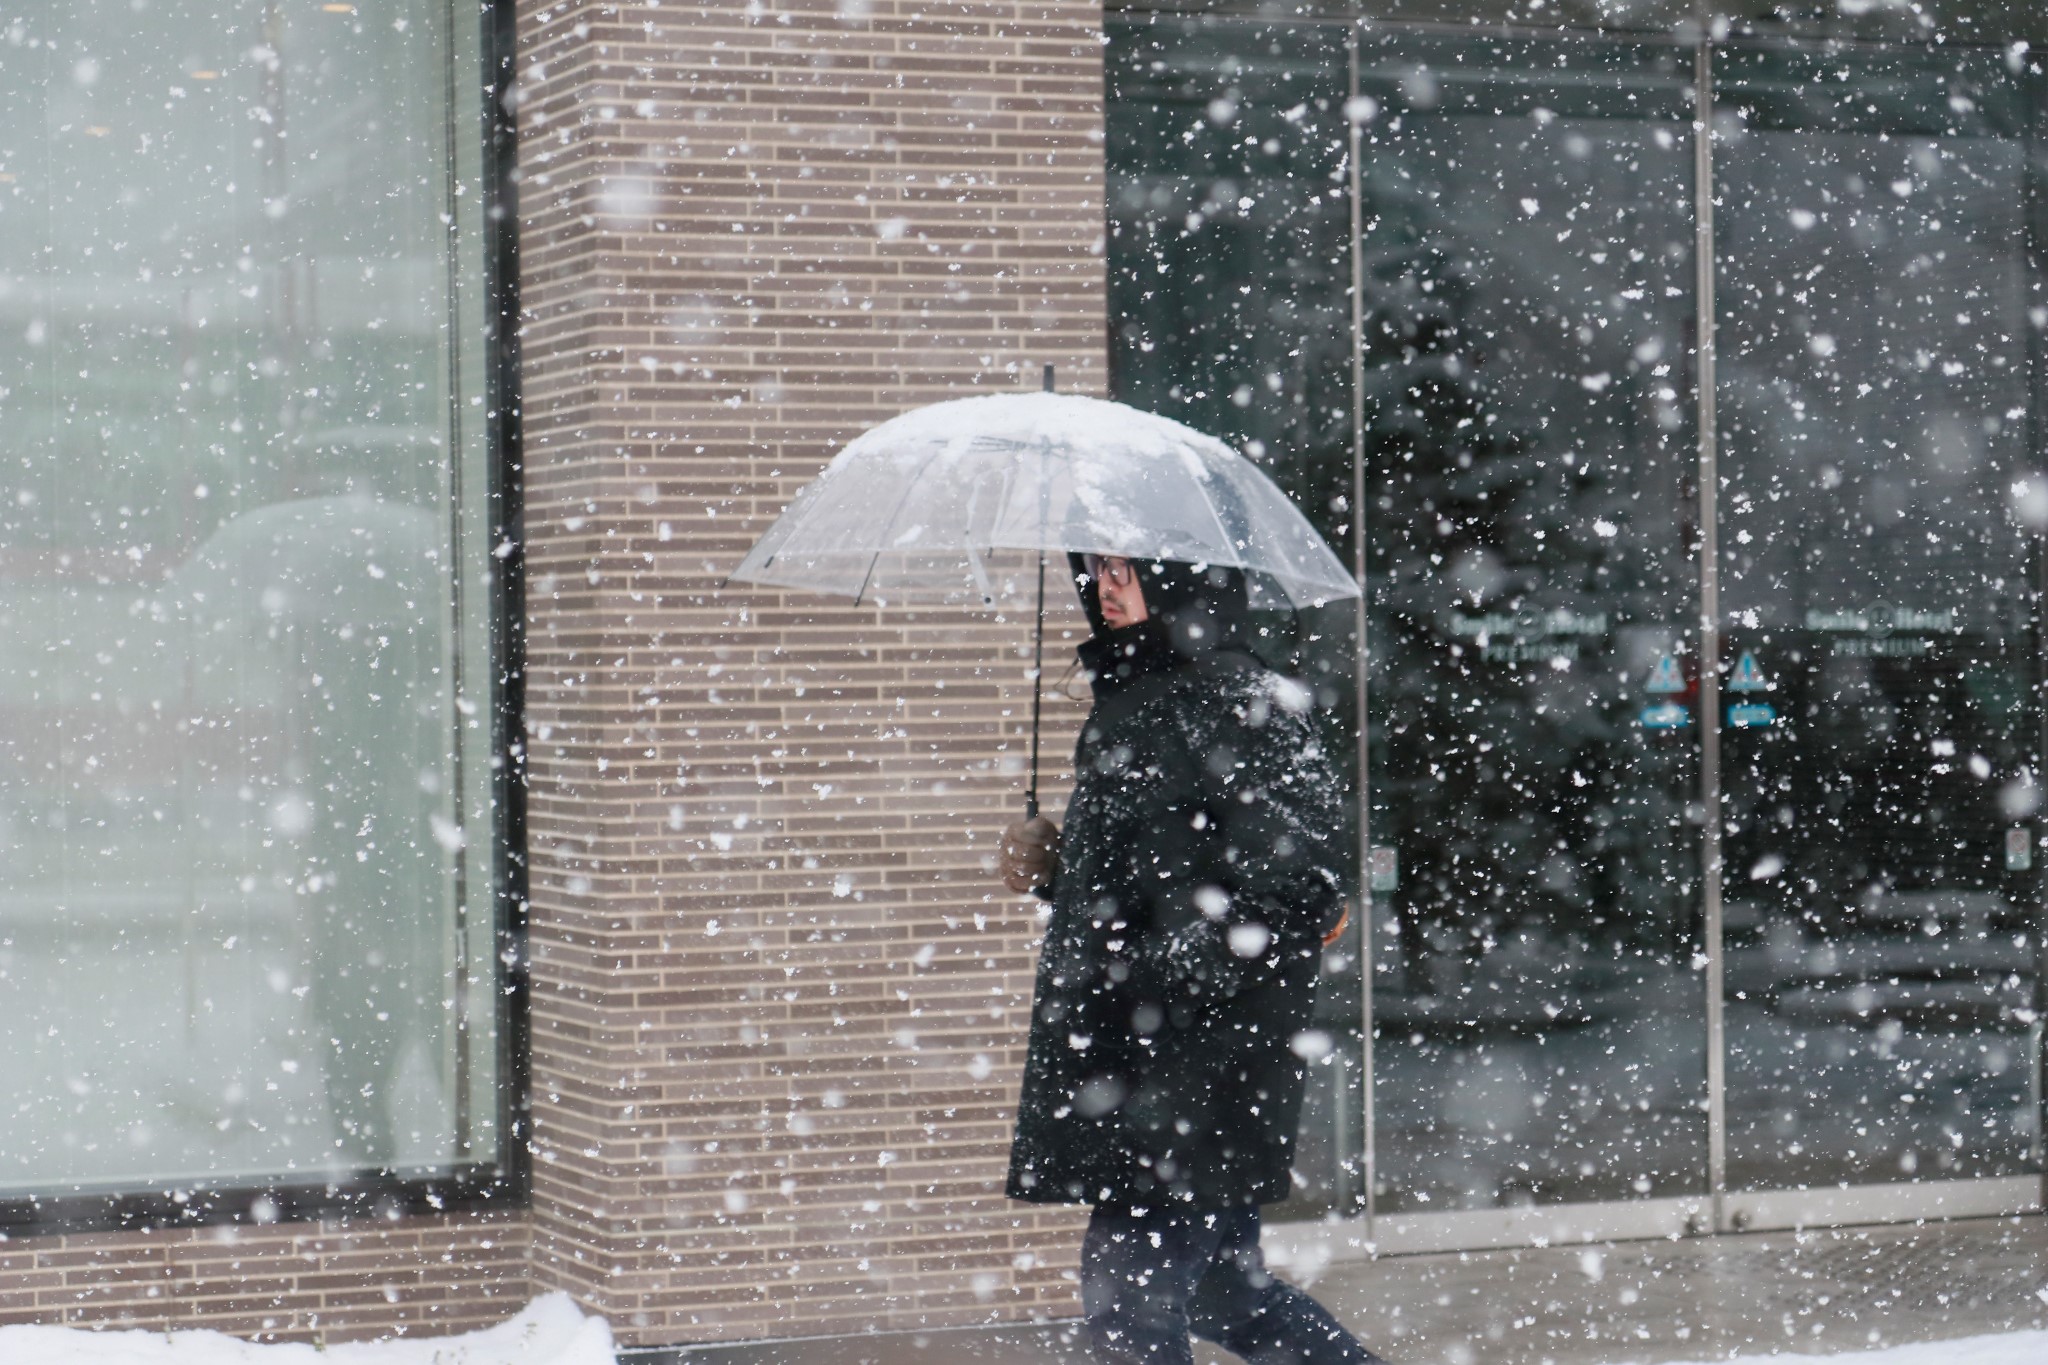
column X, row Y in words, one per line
column 1230, row 310
column 1880, row 550
column 1540, row 1029
column 247, row 932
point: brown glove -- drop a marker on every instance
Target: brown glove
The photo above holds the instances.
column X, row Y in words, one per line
column 1031, row 854
column 1336, row 931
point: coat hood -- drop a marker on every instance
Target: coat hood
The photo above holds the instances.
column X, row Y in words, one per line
column 1193, row 611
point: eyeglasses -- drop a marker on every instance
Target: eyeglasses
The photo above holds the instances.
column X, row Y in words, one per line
column 1111, row 569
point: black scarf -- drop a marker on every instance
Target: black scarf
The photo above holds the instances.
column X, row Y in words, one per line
column 1114, row 659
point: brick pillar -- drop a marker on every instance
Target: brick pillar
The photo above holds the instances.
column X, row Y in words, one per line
column 778, row 1000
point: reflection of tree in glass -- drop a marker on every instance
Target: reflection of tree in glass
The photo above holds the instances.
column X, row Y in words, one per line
column 1506, row 772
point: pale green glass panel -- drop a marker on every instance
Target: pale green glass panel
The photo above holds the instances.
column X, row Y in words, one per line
column 230, row 799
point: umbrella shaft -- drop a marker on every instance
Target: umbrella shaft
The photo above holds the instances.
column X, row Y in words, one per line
column 1037, row 692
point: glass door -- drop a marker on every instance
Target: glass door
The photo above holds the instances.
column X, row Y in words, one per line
column 1880, row 316
column 1527, row 271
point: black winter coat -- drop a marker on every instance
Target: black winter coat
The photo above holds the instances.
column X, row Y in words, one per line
column 1199, row 868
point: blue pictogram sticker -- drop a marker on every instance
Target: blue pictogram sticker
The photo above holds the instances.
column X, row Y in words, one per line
column 1665, row 678
column 1747, row 677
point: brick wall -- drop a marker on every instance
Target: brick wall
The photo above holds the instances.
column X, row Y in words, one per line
column 778, row 1002
column 328, row 1281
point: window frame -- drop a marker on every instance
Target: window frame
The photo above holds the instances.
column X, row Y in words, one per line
column 1973, row 23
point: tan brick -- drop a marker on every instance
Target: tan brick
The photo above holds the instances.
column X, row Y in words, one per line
column 800, row 780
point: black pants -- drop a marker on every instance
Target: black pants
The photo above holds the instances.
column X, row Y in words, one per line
column 1151, row 1277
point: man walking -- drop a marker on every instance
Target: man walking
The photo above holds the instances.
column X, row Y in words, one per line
column 1191, row 891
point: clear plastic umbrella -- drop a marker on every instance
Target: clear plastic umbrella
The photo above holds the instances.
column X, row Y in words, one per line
column 924, row 507
column 916, row 508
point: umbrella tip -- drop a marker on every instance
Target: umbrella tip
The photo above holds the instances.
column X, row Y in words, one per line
column 1048, row 376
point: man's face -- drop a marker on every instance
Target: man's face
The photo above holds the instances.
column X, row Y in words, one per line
column 1116, row 584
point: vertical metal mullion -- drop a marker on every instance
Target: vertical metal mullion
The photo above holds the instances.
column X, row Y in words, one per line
column 1368, row 1158
column 458, row 446
column 2038, row 1030
column 2037, row 270
column 1710, row 629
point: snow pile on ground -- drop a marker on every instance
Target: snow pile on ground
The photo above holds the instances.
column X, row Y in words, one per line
column 2012, row 1348
column 553, row 1331
column 549, row 1331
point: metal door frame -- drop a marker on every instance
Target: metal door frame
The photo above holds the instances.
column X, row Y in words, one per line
column 1718, row 1209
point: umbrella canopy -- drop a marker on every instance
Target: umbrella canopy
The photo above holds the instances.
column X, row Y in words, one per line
column 909, row 509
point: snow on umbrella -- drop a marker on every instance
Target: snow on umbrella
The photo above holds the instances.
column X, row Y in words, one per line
column 910, row 509
column 914, row 509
